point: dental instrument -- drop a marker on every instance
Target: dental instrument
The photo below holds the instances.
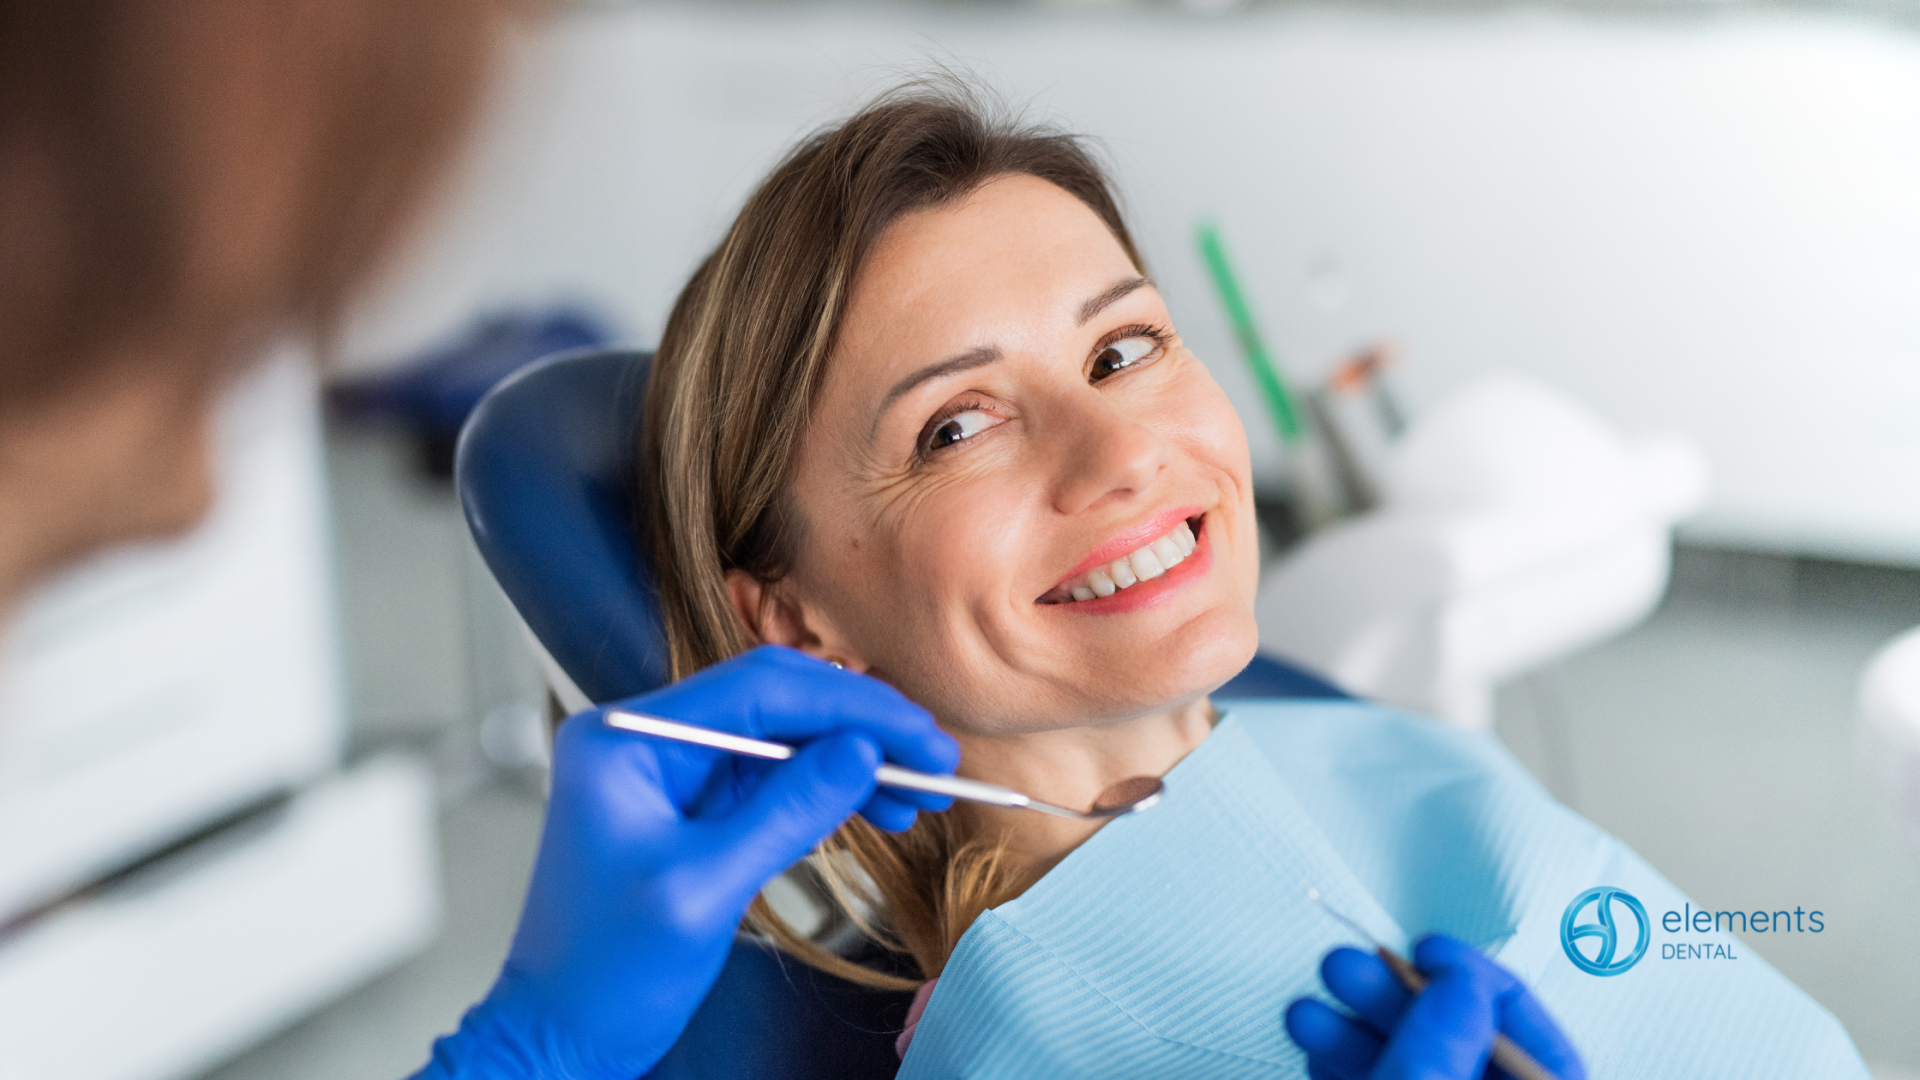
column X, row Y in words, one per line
column 1127, row 796
column 1506, row 1053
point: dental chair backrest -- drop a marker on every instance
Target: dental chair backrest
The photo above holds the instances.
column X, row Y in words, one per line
column 545, row 474
column 546, row 478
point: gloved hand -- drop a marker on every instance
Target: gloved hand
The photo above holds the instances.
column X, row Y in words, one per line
column 653, row 850
column 1444, row 1034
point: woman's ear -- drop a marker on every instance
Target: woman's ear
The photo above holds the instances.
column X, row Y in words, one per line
column 749, row 596
column 773, row 616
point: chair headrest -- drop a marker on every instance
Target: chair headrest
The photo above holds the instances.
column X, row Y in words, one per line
column 546, row 478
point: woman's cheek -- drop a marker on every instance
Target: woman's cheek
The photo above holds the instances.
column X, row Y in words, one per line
column 959, row 532
column 1212, row 425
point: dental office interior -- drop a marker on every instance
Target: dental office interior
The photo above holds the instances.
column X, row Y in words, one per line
column 1577, row 344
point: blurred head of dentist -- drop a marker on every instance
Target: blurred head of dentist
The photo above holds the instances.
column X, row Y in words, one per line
column 180, row 180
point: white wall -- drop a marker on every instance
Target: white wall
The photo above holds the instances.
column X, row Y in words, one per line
column 1706, row 223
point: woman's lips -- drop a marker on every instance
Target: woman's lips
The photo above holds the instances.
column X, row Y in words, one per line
column 1133, row 537
column 1135, row 573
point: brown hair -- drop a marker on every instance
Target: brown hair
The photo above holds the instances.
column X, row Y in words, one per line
column 182, row 173
column 732, row 385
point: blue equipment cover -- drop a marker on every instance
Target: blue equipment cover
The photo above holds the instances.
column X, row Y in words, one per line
column 1170, row 943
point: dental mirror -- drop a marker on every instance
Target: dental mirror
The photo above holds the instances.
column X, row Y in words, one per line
column 1127, row 796
column 1122, row 797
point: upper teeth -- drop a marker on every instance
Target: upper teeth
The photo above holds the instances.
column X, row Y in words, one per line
column 1149, row 562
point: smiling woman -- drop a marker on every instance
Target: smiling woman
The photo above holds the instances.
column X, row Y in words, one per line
column 924, row 414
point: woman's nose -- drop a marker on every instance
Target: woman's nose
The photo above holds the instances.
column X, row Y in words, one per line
column 1103, row 453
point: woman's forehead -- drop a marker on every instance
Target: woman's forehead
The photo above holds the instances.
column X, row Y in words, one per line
column 1015, row 258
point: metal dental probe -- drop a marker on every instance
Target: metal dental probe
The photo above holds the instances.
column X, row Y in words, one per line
column 1127, row 796
column 1506, row 1053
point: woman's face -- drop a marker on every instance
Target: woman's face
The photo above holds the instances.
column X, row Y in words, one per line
column 1009, row 420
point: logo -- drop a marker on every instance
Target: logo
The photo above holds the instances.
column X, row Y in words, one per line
column 1609, row 958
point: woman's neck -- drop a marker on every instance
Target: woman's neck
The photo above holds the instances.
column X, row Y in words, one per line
column 1068, row 767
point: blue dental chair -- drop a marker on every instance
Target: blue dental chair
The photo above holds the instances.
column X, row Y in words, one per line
column 544, row 470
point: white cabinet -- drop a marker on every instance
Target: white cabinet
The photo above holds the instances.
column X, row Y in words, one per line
column 154, row 690
column 157, row 692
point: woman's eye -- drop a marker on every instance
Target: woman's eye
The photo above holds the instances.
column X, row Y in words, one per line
column 959, row 427
column 1123, row 354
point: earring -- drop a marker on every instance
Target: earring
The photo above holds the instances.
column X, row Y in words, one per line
column 837, row 664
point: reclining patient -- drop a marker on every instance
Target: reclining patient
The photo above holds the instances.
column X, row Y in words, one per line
column 923, row 414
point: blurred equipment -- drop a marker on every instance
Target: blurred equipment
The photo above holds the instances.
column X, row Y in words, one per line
column 185, row 866
column 1890, row 718
column 431, row 394
column 1514, row 527
column 544, row 472
column 1273, row 386
column 1359, row 418
column 1304, row 503
column 1331, row 450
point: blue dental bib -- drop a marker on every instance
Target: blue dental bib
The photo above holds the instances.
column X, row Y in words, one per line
column 1169, row 944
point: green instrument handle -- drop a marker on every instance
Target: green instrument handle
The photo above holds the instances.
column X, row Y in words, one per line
column 1286, row 417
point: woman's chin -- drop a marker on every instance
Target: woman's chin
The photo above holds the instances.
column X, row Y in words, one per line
column 1211, row 650
column 1117, row 684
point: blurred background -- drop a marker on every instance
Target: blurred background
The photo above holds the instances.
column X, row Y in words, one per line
column 1579, row 350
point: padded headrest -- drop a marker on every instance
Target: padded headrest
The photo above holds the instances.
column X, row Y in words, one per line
column 546, row 478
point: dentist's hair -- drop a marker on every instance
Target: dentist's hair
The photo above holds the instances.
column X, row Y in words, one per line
column 179, row 178
column 732, row 387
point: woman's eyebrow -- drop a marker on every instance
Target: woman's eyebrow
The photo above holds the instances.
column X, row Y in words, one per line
column 979, row 356
column 983, row 355
column 1109, row 298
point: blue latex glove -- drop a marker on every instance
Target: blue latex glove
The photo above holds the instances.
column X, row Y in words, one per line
column 1446, row 1033
column 653, row 850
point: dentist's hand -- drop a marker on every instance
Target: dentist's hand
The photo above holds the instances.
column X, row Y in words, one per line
column 1446, row 1033
column 653, row 850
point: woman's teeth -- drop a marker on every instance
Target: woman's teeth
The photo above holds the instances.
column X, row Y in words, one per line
column 1128, row 570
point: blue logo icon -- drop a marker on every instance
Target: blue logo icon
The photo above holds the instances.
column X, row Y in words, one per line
column 1608, row 959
